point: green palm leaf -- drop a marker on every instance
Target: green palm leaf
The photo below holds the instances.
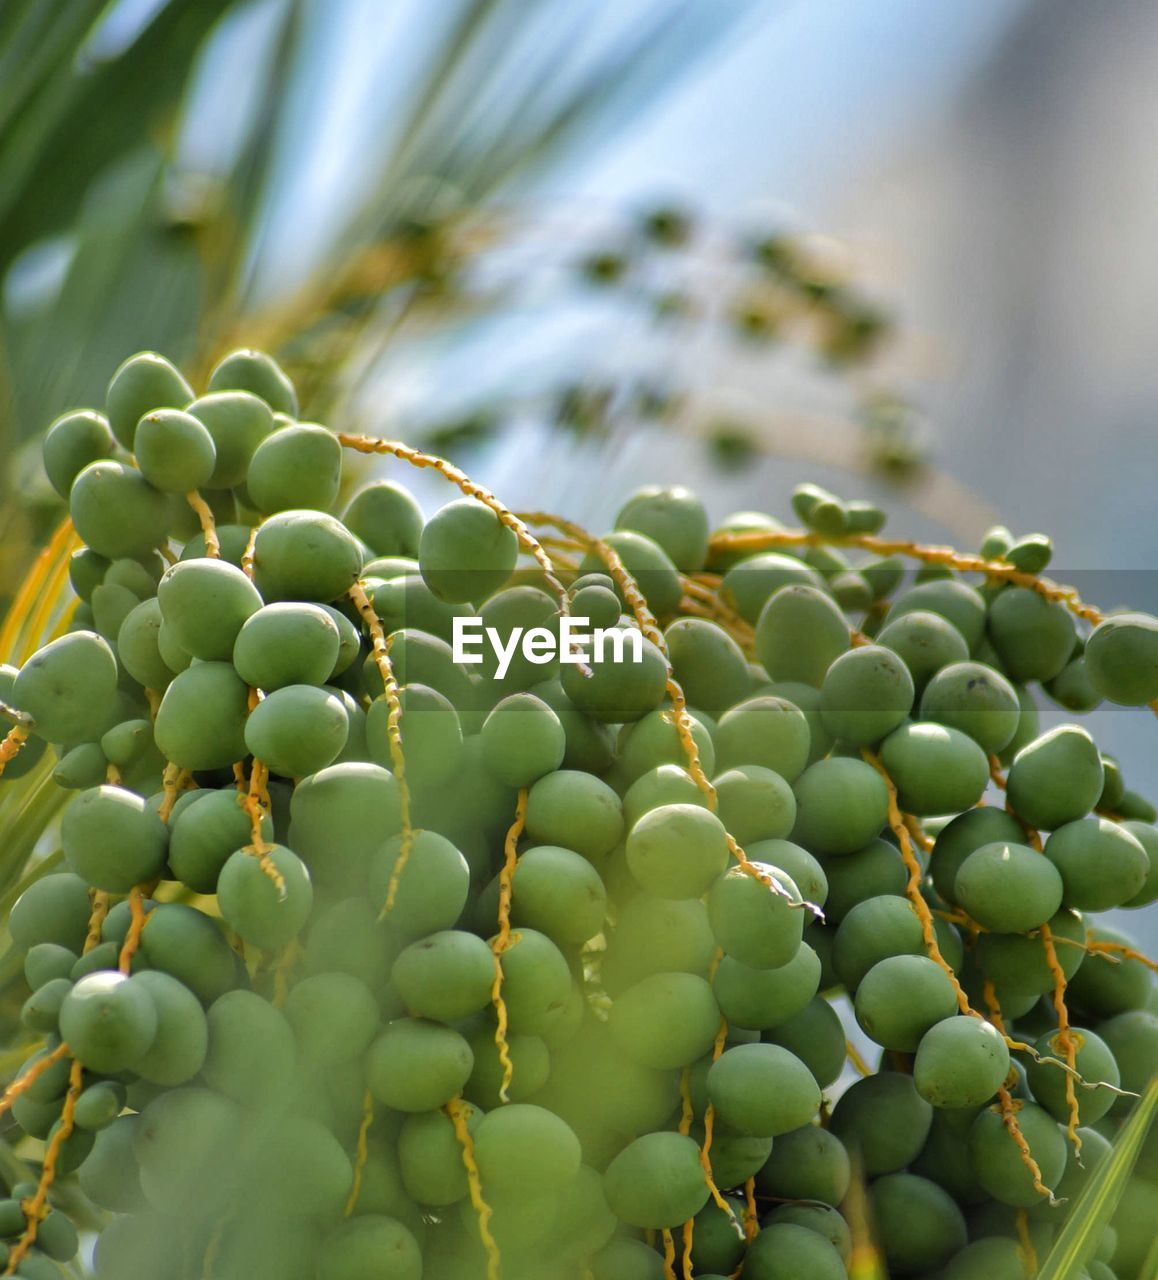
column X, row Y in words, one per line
column 1093, row 1209
column 76, row 119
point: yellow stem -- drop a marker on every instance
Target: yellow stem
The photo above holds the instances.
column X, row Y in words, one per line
column 36, row 1206
column 457, row 1113
column 853, row 1054
column 138, row 918
column 208, row 524
column 1065, row 1038
column 669, row 1255
column 255, row 801
column 363, row 1151
column 25, row 1081
column 503, row 941
column 963, row 562
column 381, row 650
column 13, row 744
column 1025, row 1247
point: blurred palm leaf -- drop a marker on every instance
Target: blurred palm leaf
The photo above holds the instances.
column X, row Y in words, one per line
column 72, row 114
column 1078, row 1240
column 155, row 253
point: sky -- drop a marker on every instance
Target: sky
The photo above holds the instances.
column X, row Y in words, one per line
column 788, row 100
column 794, row 100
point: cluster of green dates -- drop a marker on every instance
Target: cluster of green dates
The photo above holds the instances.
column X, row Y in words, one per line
column 271, row 1092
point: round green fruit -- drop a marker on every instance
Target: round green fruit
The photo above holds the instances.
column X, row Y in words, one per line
column 750, row 583
column 283, row 644
column 1008, row 887
column 762, row 1090
column 674, row 518
column 656, row 1181
column 966, row 833
column 961, row 1062
column 808, row 1164
column 768, row 731
column 866, row 694
column 1057, row 778
column 523, row 1148
column 297, row 730
column 1094, row 1062
column 206, row 602
column 666, row 1021
column 799, row 635
column 362, row 1247
column 260, row 375
column 764, row 998
column 1102, row 864
column 387, row 519
column 178, row 1050
column 305, row 555
column 786, row 1250
column 975, row 699
column 431, row 889
column 175, row 452
column 238, row 422
column 920, row 1226
column 334, row 1017
column 841, row 804
column 900, row 998
column 445, row 976
column 113, row 840
column 263, row 912
column 647, row 563
column 201, row 721
column 926, row 642
column 109, row 1021
column 884, row 1120
column 950, row 598
column 757, row 923
column 415, row 1065
column 677, row 850
column 252, row 1054
column 620, row 688
column 1122, row 658
column 997, row 1158
column 575, row 810
column 69, row 687
column 522, row 740
column 144, row 382
column 465, row 552
column 559, row 893
column 71, row 443
column 709, row 665
column 934, row 768
column 295, row 468
column 1033, row 637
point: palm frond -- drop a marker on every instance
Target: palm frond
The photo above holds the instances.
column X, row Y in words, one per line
column 79, row 118
column 1087, row 1220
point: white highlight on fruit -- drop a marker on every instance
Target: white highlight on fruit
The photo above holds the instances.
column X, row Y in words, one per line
column 574, row 642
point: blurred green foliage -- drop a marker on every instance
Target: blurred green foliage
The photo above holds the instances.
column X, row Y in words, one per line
column 127, row 223
column 111, row 241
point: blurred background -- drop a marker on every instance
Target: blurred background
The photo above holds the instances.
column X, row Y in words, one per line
column 902, row 249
